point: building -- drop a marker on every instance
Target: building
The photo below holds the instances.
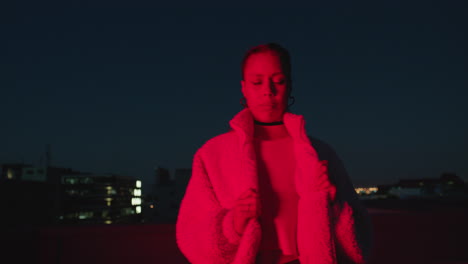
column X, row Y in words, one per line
column 164, row 197
column 22, row 172
column 30, row 194
column 100, row 199
column 447, row 186
column 26, row 204
column 167, row 194
column 182, row 177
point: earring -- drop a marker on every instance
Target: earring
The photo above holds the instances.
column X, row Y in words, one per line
column 243, row 102
column 293, row 100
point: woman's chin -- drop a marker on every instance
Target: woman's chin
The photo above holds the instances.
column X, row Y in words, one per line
column 267, row 116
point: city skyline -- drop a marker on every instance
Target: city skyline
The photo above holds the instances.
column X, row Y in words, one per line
column 172, row 175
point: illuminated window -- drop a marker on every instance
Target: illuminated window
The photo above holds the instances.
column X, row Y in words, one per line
column 71, row 180
column 138, row 209
column 105, row 214
column 110, row 190
column 85, row 215
column 136, row 201
column 138, row 184
column 72, row 192
column 86, row 180
column 10, row 174
column 137, row 192
column 108, row 201
column 128, row 211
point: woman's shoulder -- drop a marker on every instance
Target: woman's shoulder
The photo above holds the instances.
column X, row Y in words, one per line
column 324, row 150
column 219, row 142
column 338, row 174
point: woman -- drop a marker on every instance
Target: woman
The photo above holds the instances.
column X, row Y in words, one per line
column 253, row 187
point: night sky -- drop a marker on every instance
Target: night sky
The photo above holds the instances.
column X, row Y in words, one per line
column 123, row 87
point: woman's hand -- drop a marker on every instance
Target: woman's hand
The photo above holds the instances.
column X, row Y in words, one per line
column 246, row 207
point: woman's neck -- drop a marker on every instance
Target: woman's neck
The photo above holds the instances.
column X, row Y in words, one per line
column 270, row 132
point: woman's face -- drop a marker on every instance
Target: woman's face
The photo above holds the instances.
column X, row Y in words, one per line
column 265, row 87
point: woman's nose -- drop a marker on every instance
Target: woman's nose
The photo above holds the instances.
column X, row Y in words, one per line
column 269, row 89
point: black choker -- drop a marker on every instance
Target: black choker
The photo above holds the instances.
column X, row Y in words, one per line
column 268, row 124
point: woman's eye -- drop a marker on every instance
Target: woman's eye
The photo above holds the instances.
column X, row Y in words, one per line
column 256, row 82
column 280, row 81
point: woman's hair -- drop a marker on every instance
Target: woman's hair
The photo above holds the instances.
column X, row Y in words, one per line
column 280, row 51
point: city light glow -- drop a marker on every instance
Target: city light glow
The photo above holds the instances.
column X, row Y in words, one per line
column 366, row 190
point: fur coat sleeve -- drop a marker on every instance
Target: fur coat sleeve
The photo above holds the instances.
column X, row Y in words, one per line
column 352, row 226
column 205, row 230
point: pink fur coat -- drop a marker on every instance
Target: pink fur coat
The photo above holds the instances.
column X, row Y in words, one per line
column 333, row 227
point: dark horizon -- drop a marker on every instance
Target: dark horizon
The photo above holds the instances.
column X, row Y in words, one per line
column 122, row 89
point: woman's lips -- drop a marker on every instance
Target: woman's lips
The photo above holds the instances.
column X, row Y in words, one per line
column 266, row 106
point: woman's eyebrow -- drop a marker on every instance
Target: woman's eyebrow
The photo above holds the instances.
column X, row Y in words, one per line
column 261, row 75
column 255, row 75
column 277, row 73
